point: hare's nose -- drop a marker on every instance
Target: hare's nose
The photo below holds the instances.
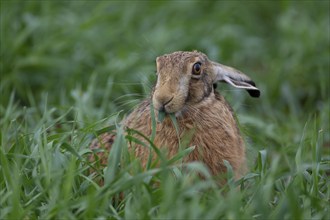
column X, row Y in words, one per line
column 160, row 102
column 163, row 105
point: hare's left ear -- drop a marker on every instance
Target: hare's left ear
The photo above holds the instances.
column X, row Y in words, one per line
column 235, row 78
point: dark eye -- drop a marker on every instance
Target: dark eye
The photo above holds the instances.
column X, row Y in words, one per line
column 197, row 68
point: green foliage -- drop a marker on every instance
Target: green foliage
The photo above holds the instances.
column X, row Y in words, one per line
column 70, row 71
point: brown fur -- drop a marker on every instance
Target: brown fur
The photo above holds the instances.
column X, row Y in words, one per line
column 198, row 109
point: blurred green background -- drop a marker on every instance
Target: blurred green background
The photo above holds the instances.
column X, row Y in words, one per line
column 67, row 65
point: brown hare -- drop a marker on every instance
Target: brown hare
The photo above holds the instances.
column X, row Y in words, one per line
column 185, row 88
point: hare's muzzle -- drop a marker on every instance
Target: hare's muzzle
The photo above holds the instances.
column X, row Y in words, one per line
column 162, row 103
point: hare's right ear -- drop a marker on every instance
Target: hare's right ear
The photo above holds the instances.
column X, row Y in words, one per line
column 235, row 78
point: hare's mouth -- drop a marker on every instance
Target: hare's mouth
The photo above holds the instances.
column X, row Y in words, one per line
column 171, row 106
column 161, row 116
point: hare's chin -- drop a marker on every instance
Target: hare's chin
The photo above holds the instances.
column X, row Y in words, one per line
column 178, row 114
column 181, row 112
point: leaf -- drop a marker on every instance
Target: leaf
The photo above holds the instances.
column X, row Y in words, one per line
column 161, row 116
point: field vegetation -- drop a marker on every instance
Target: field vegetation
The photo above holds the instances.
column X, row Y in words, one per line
column 72, row 69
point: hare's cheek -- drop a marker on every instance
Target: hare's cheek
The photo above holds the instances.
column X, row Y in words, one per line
column 176, row 104
column 196, row 91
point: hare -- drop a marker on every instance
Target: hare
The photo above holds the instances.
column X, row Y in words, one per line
column 185, row 87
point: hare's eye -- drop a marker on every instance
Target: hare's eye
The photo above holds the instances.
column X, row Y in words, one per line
column 197, row 68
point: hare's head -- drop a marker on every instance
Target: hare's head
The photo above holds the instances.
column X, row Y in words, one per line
column 186, row 78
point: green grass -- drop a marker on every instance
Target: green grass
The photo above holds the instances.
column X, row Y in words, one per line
column 70, row 71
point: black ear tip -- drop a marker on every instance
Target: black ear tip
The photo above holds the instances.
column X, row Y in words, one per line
column 254, row 93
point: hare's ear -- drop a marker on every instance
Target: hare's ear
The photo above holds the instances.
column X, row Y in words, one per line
column 235, row 78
